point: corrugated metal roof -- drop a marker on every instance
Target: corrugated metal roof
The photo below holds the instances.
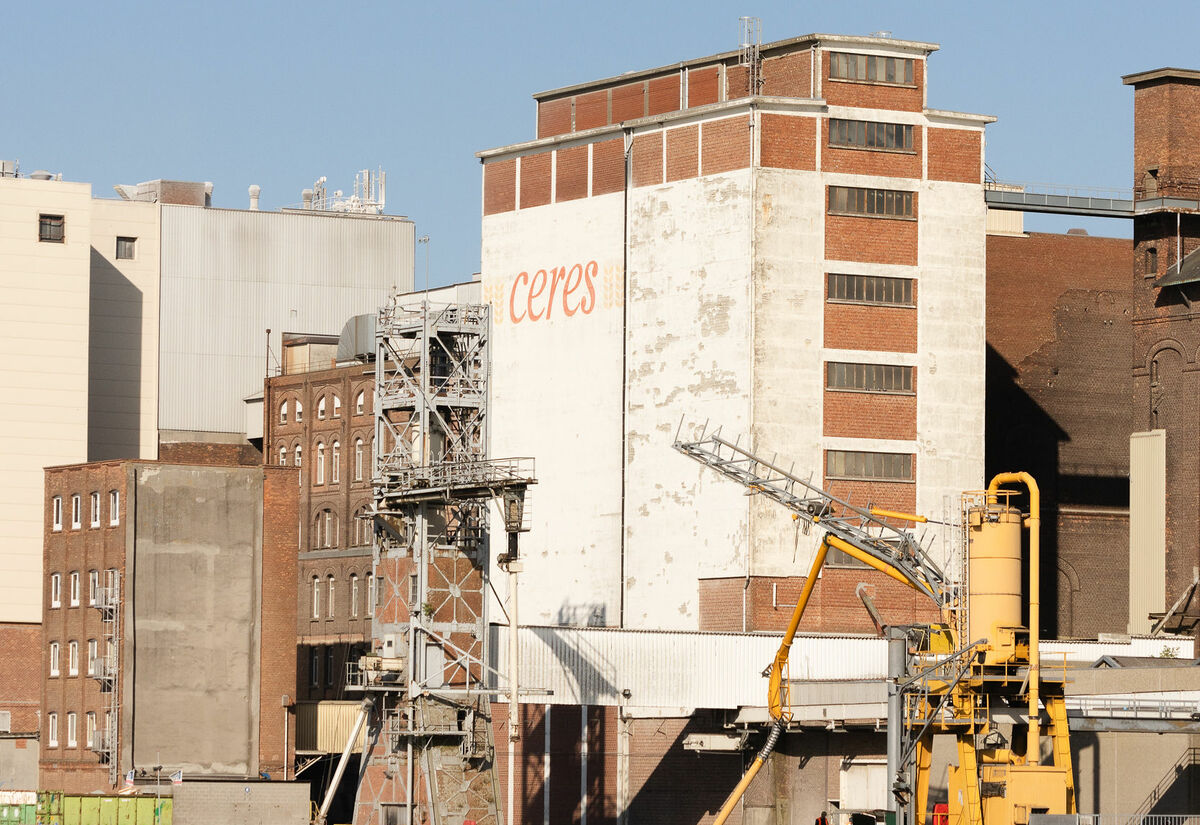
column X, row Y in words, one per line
column 229, row 275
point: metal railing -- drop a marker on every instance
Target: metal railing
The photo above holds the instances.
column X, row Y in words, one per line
column 1060, row 189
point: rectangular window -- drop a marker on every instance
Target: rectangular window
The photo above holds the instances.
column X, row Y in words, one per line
column 90, row 730
column 888, row 378
column 871, row 289
column 314, row 667
column 73, row 658
column 51, row 228
column 316, row 598
column 114, row 507
column 56, row 517
column 126, row 248
column 886, row 203
column 55, row 590
column 867, row 134
column 93, row 586
column 75, row 512
column 95, row 502
column 329, row 606
column 54, row 671
column 863, row 465
column 329, row 669
column 354, row 597
column 93, row 653
column 74, row 591
column 52, row 730
column 71, row 732
column 867, row 68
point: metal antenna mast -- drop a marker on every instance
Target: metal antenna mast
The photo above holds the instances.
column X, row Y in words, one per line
column 751, row 46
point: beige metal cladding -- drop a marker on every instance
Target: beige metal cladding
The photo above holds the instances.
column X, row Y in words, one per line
column 229, row 275
column 1147, row 527
column 995, row 557
column 323, row 727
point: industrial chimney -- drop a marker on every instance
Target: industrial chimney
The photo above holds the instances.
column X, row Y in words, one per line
column 255, row 191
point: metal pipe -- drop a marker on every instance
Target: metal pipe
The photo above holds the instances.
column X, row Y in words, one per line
column 1033, row 742
column 363, row 712
column 897, row 672
column 285, row 743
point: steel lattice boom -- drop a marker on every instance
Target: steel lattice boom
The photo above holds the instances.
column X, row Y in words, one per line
column 871, row 534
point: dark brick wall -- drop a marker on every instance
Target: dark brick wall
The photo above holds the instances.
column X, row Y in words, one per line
column 1058, row 390
column 213, row 455
column 871, row 239
column 278, row 634
column 955, row 155
column 21, row 675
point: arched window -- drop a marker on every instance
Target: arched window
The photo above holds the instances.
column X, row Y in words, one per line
column 358, row 459
column 299, row 454
column 335, row 462
column 359, row 402
column 283, row 413
column 299, row 411
column 316, row 597
column 321, row 409
column 320, row 463
column 353, row 595
column 283, row 456
column 337, row 406
column 362, row 527
column 325, row 530
column 329, row 599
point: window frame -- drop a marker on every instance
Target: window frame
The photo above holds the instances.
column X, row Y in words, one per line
column 76, row 511
column 868, row 129
column 299, row 414
column 321, row 409
column 869, row 378
column 877, row 284
column 72, row 730
column 114, row 508
column 329, row 666
column 337, row 406
column 131, row 244
column 882, row 457
column 73, row 588
column 335, row 461
column 314, row 665
column 55, row 590
column 283, row 415
column 298, row 456
column 93, row 586
column 319, row 475
column 330, row 601
column 353, row 595
column 73, row 658
column 316, row 597
column 93, row 653
column 56, row 514
column 283, row 451
column 89, row 728
column 52, row 729
column 872, row 202
column 55, row 660
column 358, row 459
column 52, row 228
column 360, row 402
column 94, row 501
column 867, row 64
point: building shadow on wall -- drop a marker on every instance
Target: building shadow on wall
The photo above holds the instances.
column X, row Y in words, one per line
column 1020, row 436
column 114, row 362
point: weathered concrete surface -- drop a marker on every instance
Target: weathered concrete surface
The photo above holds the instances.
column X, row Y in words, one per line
column 194, row 641
column 19, row 764
column 242, row 803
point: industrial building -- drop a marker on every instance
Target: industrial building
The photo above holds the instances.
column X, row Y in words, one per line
column 787, row 240
column 168, row 624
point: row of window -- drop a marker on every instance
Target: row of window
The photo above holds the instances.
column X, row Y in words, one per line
column 53, row 229
column 329, row 586
column 867, row 134
column 882, row 378
column 855, row 200
column 94, row 664
column 871, row 289
column 869, row 466
column 361, row 458
column 114, row 510
column 90, row 731
column 327, row 529
column 868, row 68
column 73, row 579
column 322, row 407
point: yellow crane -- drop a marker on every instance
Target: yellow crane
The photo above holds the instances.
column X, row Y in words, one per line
column 977, row 662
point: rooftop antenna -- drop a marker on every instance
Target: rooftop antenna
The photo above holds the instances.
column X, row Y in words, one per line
column 751, row 57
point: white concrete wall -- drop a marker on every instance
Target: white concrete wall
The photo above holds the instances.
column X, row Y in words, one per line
column 951, row 298
column 123, row 382
column 789, row 298
column 690, row 308
column 43, row 371
column 556, row 396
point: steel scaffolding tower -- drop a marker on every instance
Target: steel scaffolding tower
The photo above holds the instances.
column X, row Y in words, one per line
column 431, row 751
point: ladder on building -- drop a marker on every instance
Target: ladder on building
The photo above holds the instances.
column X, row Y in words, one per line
column 106, row 670
column 868, row 530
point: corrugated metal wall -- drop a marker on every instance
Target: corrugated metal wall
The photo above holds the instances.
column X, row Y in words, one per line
column 1147, row 527
column 324, row 727
column 678, row 669
column 229, row 275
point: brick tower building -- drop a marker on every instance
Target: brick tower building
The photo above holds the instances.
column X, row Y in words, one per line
column 1166, row 331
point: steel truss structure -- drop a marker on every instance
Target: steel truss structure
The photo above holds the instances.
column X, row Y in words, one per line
column 431, row 753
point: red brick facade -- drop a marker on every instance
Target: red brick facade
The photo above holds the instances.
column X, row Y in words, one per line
column 21, row 677
column 872, row 240
column 955, row 155
column 277, row 676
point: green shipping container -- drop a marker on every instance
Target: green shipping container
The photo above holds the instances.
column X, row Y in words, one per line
column 18, row 814
column 60, row 809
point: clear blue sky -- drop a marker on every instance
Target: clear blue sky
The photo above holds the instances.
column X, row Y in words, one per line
column 280, row 93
